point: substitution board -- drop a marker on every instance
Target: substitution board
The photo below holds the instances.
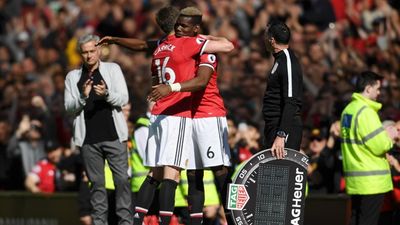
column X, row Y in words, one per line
column 268, row 191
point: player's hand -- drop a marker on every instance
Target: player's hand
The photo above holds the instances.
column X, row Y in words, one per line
column 100, row 89
column 107, row 40
column 278, row 148
column 159, row 91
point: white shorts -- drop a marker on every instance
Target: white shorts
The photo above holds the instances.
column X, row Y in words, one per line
column 210, row 140
column 170, row 139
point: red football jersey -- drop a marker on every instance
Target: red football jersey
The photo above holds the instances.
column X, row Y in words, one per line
column 174, row 61
column 45, row 173
column 208, row 102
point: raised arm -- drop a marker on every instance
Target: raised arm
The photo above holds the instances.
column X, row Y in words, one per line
column 130, row 43
column 217, row 44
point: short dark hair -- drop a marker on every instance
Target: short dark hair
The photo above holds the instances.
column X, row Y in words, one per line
column 51, row 145
column 193, row 13
column 366, row 78
column 166, row 18
column 279, row 31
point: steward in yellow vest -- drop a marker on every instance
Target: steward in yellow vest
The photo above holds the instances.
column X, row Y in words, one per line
column 139, row 171
column 210, row 190
column 364, row 143
column 211, row 197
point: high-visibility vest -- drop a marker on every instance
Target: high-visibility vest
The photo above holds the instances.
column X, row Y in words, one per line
column 364, row 143
column 108, row 177
column 139, row 171
column 211, row 196
column 182, row 190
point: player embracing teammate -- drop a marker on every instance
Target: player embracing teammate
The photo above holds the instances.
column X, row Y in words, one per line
column 210, row 130
column 173, row 134
column 187, row 130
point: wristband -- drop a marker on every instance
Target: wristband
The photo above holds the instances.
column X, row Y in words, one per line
column 175, row 87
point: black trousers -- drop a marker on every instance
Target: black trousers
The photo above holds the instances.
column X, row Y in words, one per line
column 365, row 209
column 293, row 141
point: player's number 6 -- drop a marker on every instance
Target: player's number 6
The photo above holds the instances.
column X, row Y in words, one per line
column 210, row 154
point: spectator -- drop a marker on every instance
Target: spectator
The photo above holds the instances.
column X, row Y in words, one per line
column 321, row 164
column 333, row 143
column 391, row 205
column 26, row 147
column 43, row 175
column 70, row 168
column 4, row 159
column 84, row 206
column 248, row 143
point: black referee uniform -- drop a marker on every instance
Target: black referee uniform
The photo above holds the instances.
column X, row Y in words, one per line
column 283, row 100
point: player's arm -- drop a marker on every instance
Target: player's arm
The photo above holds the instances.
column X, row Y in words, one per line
column 199, row 82
column 130, row 43
column 217, row 44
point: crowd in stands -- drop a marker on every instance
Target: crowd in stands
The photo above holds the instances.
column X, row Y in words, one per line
column 335, row 40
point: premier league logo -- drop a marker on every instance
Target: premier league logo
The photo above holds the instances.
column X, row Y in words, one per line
column 267, row 191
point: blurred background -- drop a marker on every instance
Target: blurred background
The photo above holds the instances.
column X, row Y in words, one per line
column 334, row 40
